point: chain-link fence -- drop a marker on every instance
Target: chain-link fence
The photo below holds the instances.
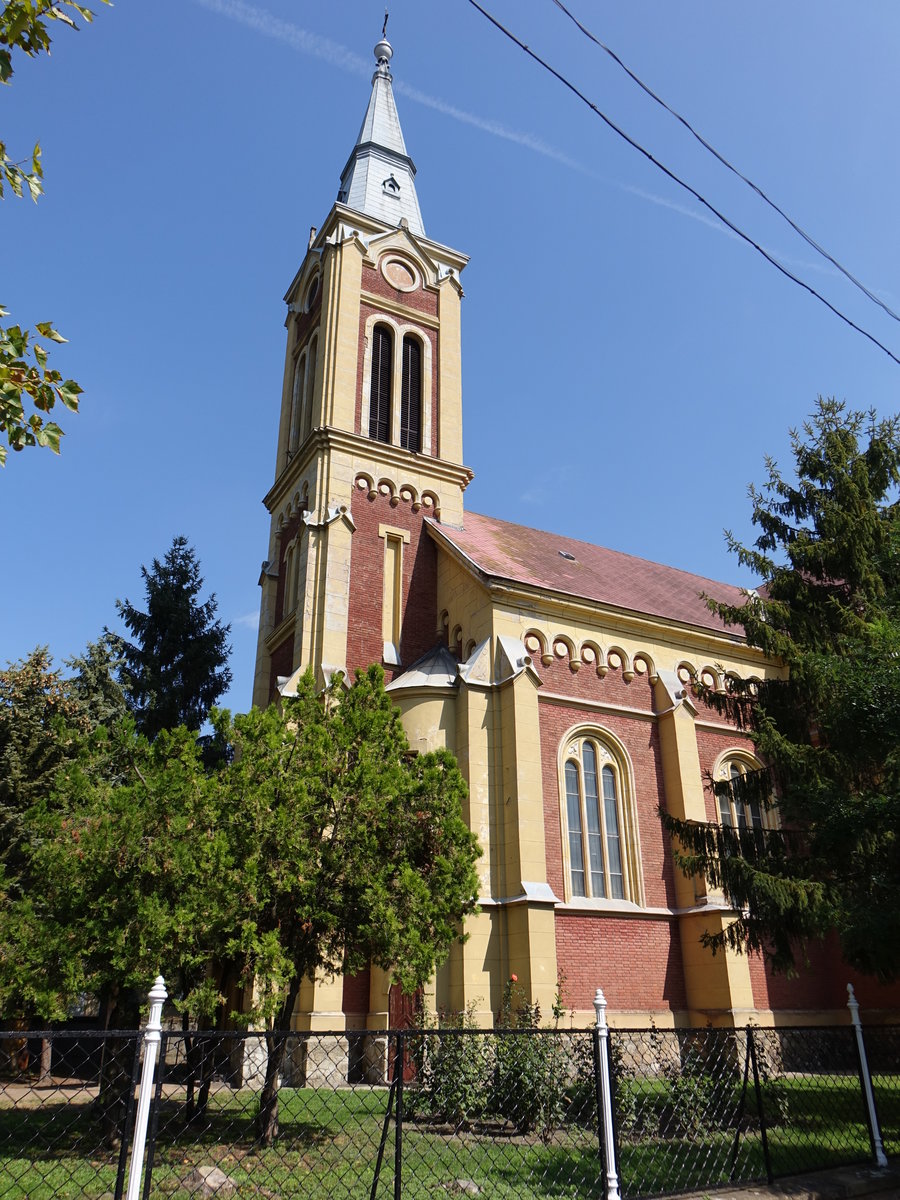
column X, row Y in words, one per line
column 883, row 1053
column 425, row 1112
column 700, row 1108
column 66, row 1106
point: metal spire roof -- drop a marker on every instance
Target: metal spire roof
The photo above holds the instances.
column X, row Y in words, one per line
column 379, row 178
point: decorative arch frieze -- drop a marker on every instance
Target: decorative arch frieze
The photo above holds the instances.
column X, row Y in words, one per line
column 396, row 492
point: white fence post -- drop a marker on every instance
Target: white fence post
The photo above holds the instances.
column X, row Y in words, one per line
column 152, row 1036
column 853, row 1005
column 609, row 1135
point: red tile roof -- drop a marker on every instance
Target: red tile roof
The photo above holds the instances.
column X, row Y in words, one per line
column 608, row 577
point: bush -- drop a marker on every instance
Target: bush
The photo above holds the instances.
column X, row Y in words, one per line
column 454, row 1070
column 532, row 1071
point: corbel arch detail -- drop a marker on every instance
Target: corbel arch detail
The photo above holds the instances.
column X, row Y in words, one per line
column 617, row 657
column 564, row 647
column 431, row 501
column 536, row 644
column 592, row 654
column 642, row 662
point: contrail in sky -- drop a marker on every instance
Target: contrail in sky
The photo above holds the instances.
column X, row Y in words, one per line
column 339, row 56
column 314, row 45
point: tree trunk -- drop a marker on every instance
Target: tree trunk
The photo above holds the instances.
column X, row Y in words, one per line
column 46, row 1049
column 115, row 1075
column 189, row 1109
column 276, row 1042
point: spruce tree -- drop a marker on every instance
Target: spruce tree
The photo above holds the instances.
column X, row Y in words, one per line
column 177, row 666
column 828, row 730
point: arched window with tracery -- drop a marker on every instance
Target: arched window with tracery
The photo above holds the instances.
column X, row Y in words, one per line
column 742, row 793
column 599, row 832
column 381, row 380
column 411, row 395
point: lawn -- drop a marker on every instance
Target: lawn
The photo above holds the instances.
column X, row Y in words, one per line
column 329, row 1145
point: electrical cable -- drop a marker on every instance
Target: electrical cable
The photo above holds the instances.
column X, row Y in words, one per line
column 682, row 184
column 810, row 241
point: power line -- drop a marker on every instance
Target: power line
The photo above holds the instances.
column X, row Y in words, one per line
column 725, row 163
column 682, row 184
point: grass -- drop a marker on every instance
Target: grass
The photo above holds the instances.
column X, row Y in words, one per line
column 329, row 1144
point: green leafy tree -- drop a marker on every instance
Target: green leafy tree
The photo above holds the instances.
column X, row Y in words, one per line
column 177, row 666
column 29, row 388
column 353, row 850
column 828, row 611
column 44, row 714
column 132, row 857
column 320, row 845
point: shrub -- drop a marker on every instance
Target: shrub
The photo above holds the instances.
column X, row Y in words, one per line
column 532, row 1071
column 454, row 1070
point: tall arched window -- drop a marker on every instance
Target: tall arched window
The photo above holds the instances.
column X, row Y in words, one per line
column 593, row 814
column 310, row 386
column 411, row 395
column 296, row 403
column 380, row 391
column 740, row 806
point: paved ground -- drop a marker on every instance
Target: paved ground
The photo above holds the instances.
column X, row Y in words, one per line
column 843, row 1184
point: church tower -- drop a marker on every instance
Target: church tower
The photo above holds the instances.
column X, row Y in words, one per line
column 370, row 433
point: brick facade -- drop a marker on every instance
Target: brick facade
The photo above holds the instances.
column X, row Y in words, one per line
column 638, row 962
column 419, row 630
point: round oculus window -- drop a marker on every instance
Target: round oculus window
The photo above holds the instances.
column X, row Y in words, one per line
column 400, row 274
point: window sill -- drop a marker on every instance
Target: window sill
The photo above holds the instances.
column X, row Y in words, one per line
column 617, row 908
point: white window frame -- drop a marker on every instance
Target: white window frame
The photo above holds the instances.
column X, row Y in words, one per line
column 611, row 756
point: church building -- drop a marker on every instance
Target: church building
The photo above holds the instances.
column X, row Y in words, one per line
column 559, row 673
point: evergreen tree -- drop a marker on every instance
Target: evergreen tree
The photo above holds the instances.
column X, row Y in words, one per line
column 319, row 846
column 44, row 715
column 349, row 850
column 177, row 666
column 828, row 730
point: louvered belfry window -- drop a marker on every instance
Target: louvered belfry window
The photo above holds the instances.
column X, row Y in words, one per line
column 380, row 391
column 411, row 396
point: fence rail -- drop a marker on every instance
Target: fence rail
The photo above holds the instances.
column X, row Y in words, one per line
column 496, row 1113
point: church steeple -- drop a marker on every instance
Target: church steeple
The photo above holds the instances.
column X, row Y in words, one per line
column 379, row 178
column 370, row 434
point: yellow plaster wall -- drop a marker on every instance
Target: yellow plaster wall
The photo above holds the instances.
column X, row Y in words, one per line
column 341, row 280
column 429, row 720
column 450, row 445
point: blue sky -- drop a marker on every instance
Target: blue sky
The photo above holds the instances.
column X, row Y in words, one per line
column 627, row 362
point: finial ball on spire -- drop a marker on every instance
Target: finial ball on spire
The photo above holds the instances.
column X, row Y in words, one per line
column 383, row 51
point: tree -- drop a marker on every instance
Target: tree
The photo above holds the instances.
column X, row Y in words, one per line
column 829, row 730
column 354, row 850
column 320, row 845
column 40, row 710
column 44, row 715
column 28, row 387
column 176, row 668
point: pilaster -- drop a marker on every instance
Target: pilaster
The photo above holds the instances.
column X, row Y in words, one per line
column 718, row 985
column 528, row 903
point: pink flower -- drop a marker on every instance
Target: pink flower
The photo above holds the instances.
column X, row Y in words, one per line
column 513, row 979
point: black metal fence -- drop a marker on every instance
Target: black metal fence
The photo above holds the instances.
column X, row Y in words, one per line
column 418, row 1112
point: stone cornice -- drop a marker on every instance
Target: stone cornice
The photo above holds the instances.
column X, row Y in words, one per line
column 326, row 438
column 405, row 311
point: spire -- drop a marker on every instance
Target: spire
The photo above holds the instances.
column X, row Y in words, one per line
column 379, row 178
